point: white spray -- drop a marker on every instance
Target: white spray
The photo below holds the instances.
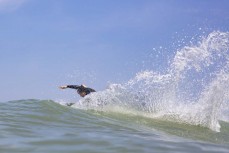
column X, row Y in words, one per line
column 194, row 89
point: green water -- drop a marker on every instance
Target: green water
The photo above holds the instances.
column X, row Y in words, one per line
column 36, row 126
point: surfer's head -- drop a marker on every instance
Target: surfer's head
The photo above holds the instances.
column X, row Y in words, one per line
column 81, row 92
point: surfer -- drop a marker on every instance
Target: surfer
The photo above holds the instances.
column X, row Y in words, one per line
column 82, row 90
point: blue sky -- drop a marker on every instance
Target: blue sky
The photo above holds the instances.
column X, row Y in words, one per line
column 47, row 43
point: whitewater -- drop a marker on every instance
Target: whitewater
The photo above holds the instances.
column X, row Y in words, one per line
column 193, row 90
column 184, row 108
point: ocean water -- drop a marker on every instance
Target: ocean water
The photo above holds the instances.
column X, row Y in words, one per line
column 36, row 126
column 184, row 109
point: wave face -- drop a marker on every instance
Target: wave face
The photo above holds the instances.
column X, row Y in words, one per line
column 37, row 126
column 193, row 90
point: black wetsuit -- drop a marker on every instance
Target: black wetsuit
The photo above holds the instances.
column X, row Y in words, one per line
column 81, row 89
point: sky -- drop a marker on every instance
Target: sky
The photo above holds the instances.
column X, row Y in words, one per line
column 48, row 43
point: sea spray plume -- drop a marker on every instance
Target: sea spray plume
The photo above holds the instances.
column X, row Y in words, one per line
column 200, row 55
column 205, row 111
column 163, row 95
column 212, row 50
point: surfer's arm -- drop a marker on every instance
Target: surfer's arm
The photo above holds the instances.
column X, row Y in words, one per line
column 90, row 90
column 73, row 86
column 69, row 86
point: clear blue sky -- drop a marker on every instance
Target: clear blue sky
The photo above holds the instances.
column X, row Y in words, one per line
column 47, row 43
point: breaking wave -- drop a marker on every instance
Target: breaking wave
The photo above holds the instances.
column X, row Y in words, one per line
column 193, row 90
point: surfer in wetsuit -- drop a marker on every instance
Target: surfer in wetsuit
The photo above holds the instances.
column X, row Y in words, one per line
column 82, row 90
